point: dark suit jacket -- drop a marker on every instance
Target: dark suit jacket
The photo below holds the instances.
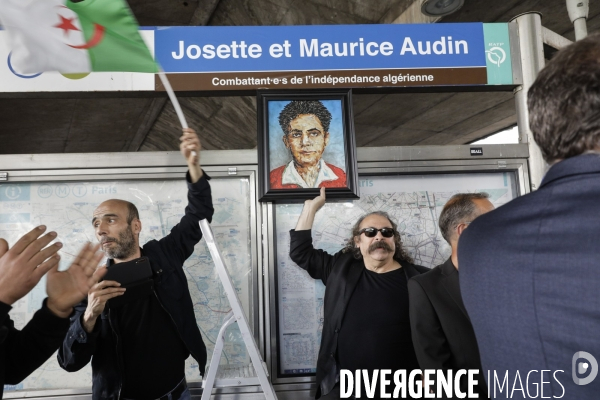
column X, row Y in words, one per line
column 340, row 273
column 441, row 330
column 530, row 278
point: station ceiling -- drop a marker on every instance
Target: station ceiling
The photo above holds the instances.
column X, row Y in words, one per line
column 97, row 123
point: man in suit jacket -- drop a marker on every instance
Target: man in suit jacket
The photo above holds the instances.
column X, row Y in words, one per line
column 366, row 318
column 530, row 270
column 441, row 330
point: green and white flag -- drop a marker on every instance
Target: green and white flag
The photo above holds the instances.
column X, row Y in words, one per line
column 74, row 37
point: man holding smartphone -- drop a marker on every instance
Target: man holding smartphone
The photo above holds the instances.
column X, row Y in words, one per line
column 138, row 350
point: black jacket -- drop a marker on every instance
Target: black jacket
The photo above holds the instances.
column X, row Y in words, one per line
column 22, row 352
column 166, row 256
column 340, row 273
column 441, row 330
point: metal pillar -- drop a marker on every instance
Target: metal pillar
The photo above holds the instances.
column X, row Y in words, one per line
column 532, row 61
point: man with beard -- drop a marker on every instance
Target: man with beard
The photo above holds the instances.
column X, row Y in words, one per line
column 138, row 350
column 366, row 316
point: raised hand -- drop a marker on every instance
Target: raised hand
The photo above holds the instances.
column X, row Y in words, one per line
column 67, row 288
column 190, row 148
column 317, row 203
column 307, row 216
column 22, row 267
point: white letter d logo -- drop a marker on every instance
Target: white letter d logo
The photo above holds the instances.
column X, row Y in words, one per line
column 582, row 367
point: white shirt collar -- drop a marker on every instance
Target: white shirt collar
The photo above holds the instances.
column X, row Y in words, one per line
column 291, row 176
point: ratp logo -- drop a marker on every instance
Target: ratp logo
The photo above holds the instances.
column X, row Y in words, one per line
column 581, row 367
column 496, row 55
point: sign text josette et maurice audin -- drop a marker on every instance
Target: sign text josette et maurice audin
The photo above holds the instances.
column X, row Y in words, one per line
column 227, row 58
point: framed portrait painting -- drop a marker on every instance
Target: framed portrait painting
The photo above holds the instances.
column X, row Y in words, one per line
column 306, row 142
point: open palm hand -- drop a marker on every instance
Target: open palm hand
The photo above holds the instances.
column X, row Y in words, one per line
column 67, row 288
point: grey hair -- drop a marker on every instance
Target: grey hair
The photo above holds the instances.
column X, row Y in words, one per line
column 460, row 208
column 400, row 253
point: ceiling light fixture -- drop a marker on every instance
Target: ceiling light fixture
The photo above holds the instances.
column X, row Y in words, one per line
column 440, row 8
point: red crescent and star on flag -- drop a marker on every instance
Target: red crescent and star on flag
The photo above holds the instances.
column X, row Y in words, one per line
column 66, row 24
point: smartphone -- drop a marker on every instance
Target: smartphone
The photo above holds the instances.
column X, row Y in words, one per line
column 135, row 276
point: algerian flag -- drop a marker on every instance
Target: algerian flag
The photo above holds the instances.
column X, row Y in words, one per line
column 74, row 37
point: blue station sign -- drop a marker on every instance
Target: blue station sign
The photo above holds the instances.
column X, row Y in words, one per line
column 334, row 56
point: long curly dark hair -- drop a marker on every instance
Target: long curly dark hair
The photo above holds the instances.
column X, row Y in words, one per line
column 399, row 255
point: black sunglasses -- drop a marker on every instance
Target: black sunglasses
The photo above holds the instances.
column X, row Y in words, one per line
column 372, row 232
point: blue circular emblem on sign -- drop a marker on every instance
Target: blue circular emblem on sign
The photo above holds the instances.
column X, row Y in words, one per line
column 15, row 72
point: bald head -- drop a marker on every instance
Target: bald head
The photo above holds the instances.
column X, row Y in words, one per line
column 130, row 209
column 117, row 227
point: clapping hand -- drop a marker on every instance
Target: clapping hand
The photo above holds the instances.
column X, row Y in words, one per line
column 67, row 288
column 22, row 266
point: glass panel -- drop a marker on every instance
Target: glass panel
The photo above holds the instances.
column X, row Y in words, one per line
column 414, row 201
column 67, row 207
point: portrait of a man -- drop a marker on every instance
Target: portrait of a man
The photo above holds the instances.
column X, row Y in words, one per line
column 305, row 127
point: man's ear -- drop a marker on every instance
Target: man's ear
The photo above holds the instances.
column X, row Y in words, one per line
column 326, row 138
column 285, row 141
column 136, row 226
column 356, row 241
column 460, row 229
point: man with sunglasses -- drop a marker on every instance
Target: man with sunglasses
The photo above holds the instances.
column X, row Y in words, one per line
column 366, row 315
column 441, row 329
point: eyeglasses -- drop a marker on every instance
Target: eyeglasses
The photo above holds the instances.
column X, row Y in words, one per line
column 372, row 232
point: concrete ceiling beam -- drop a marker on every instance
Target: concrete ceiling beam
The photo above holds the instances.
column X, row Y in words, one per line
column 204, row 12
column 145, row 124
column 413, row 15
